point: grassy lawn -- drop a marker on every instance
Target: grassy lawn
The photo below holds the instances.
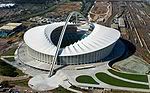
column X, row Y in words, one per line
column 23, row 83
column 8, row 70
column 10, row 52
column 10, row 59
column 135, row 77
column 20, row 73
column 117, row 82
column 86, row 79
column 60, row 89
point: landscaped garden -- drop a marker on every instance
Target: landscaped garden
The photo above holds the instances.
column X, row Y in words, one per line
column 117, row 82
column 86, row 79
column 135, row 77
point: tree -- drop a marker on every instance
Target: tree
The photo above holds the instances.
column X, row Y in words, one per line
column 5, row 84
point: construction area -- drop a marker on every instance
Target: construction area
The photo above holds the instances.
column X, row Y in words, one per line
column 64, row 9
column 100, row 11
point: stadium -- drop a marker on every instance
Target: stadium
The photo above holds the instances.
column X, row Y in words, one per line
column 82, row 44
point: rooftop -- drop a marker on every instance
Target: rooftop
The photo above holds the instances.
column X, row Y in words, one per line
column 38, row 38
column 7, row 5
column 10, row 26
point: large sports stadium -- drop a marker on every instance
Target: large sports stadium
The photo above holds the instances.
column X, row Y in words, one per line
column 67, row 49
column 82, row 44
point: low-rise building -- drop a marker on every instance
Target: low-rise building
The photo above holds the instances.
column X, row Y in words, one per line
column 115, row 26
column 9, row 29
column 8, row 5
column 121, row 22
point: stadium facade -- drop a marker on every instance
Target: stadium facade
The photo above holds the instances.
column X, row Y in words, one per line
column 82, row 44
column 41, row 42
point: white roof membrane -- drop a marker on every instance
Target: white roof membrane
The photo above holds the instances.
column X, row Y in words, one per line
column 99, row 38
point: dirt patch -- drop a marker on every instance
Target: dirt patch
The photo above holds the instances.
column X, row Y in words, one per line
column 65, row 9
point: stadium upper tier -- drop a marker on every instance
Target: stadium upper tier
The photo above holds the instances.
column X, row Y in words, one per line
column 43, row 39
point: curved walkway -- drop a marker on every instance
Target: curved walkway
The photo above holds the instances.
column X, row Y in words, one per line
column 7, row 78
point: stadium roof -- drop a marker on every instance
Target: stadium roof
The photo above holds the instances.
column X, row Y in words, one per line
column 99, row 38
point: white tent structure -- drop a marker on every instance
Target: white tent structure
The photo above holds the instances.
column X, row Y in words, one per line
column 92, row 48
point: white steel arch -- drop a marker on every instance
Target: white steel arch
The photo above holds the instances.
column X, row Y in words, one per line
column 61, row 37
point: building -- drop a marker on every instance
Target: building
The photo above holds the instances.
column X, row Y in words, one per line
column 66, row 49
column 121, row 23
column 115, row 26
column 79, row 45
column 147, row 1
column 8, row 5
column 9, row 29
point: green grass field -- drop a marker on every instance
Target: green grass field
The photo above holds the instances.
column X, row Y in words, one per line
column 8, row 70
column 23, row 83
column 135, row 77
column 10, row 52
column 117, row 82
column 60, row 89
column 11, row 59
column 86, row 79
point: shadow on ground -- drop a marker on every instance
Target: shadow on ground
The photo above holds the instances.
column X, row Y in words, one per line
column 130, row 49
